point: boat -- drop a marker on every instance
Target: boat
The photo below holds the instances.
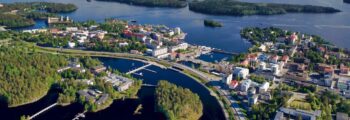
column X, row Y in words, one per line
column 88, row 0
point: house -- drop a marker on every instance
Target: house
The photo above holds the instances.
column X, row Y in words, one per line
column 306, row 115
column 227, row 78
column 326, row 70
column 72, row 29
column 241, row 72
column 252, row 57
column 88, row 97
column 98, row 69
column 274, row 58
column 264, row 87
column 234, row 84
column 344, row 70
column 296, row 67
column 343, row 83
column 245, row 84
column 125, row 85
column 252, row 100
column 262, row 66
column 1, row 5
column 265, row 96
column 279, row 116
column 342, row 116
column 275, row 69
column 251, row 91
column 177, row 30
column 285, row 58
column 102, row 99
column 263, row 47
column 123, row 44
column 119, row 82
column 292, row 38
column 71, row 44
column 245, row 63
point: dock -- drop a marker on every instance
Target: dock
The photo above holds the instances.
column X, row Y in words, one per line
column 224, row 52
column 137, row 69
column 43, row 110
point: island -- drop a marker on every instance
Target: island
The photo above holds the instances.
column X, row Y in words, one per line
column 212, row 23
column 154, row 3
column 236, row 8
column 17, row 15
column 177, row 103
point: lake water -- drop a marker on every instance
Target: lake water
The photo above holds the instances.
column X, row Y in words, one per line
column 333, row 27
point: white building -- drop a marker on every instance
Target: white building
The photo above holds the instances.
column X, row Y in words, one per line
column 275, row 69
column 160, row 52
column 245, row 84
column 241, row 72
column 177, row 30
column 72, row 29
column 182, row 46
column 252, row 100
column 71, row 44
column 227, row 79
column 264, row 87
column 123, row 44
column 262, row 66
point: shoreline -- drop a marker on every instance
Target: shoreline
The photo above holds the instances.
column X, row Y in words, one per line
column 29, row 102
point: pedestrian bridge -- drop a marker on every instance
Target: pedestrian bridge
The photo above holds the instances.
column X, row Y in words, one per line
column 137, row 69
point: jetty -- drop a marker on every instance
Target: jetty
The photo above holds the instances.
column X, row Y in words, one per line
column 138, row 69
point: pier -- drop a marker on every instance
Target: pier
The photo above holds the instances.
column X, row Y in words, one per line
column 137, row 69
column 79, row 115
column 43, row 110
column 224, row 52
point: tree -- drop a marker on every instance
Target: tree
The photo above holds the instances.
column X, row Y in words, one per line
column 177, row 103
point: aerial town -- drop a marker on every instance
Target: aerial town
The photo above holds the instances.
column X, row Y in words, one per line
column 280, row 67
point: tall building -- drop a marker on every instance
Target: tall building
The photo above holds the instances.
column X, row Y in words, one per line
column 227, row 79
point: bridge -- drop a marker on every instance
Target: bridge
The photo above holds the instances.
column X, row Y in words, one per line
column 137, row 69
column 43, row 110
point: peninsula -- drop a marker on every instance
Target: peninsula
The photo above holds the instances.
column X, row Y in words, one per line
column 154, row 3
column 236, row 8
column 18, row 15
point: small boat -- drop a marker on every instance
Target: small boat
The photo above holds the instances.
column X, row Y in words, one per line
column 133, row 21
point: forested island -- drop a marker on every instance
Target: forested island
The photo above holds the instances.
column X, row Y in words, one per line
column 177, row 103
column 212, row 23
column 154, row 3
column 18, row 15
column 236, row 8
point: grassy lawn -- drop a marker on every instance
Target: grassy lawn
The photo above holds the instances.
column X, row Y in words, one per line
column 300, row 104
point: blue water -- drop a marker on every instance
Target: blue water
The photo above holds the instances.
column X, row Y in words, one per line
column 214, row 57
column 333, row 27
